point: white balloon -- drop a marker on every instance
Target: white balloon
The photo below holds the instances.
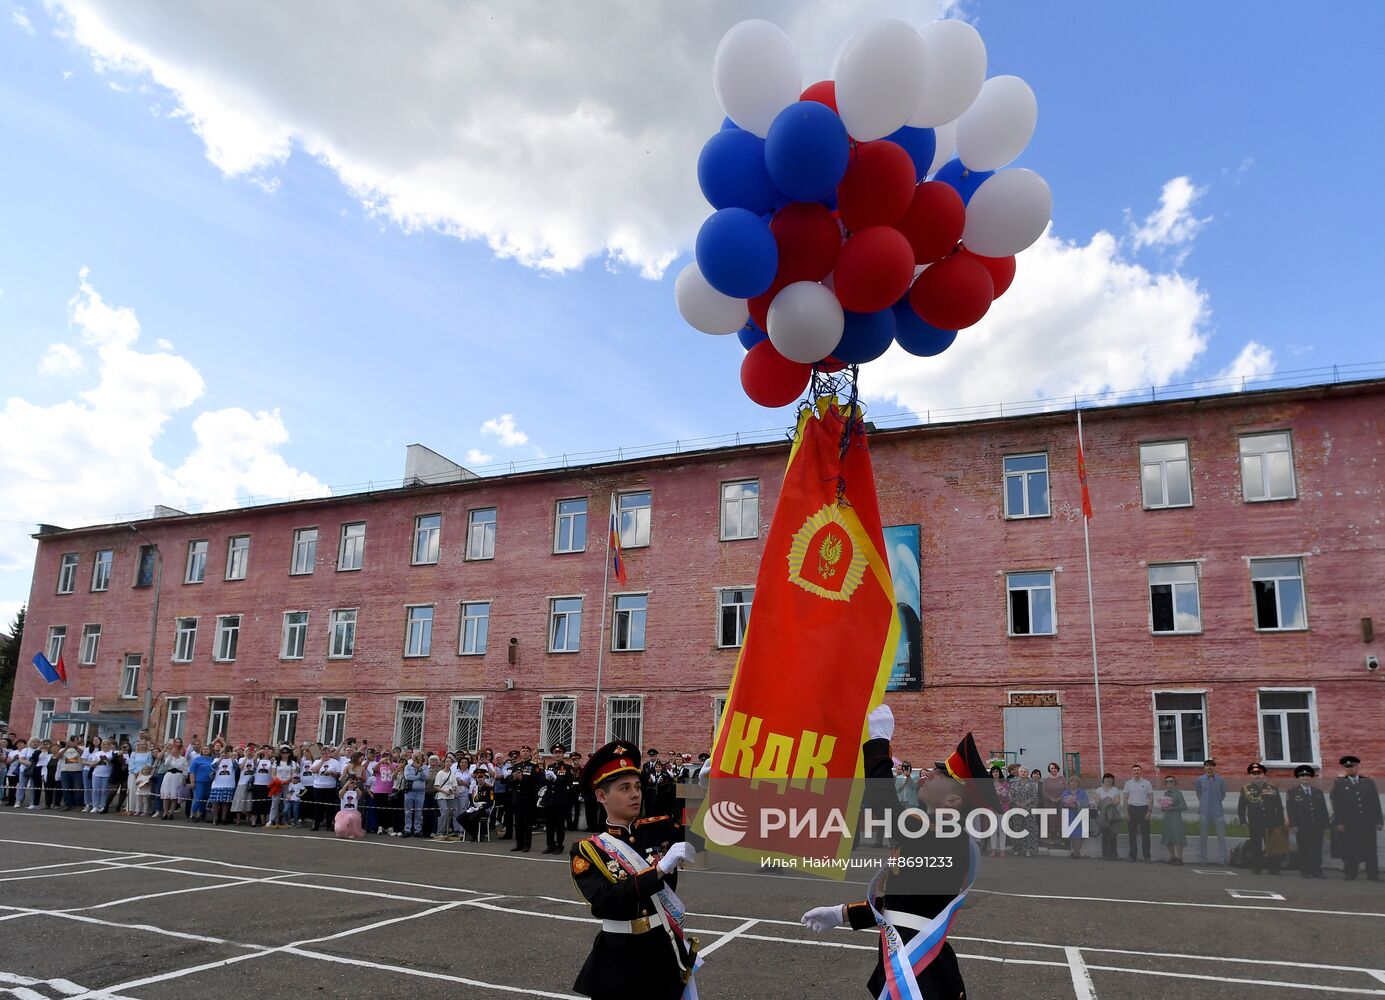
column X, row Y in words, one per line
column 998, row 125
column 805, row 322
column 954, row 68
column 879, row 79
column 703, row 307
column 947, row 145
column 1008, row 212
column 756, row 75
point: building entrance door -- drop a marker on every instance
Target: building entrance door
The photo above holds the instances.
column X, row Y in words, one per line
column 1035, row 736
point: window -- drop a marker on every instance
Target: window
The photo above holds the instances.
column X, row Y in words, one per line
column 1278, row 592
column 197, row 562
column 740, row 510
column 177, row 718
column 80, row 706
column 343, row 635
column 184, row 639
column 1026, row 485
column 1164, row 475
column 237, row 557
column 1031, row 603
column 1267, row 467
column 718, row 710
column 227, row 637
column 285, row 720
column 634, row 520
column 558, row 722
column 625, row 720
column 418, row 634
column 570, row 533
column 1288, row 728
column 57, row 639
column 480, row 534
column 331, row 727
column 144, row 572
column 101, row 570
column 304, row 551
column 1173, row 599
column 408, row 723
column 43, row 718
column 427, row 539
column 476, row 626
column 466, row 725
column 129, row 676
column 733, row 609
column 627, row 632
column 1181, row 725
column 295, row 635
column 352, row 554
column 67, row 573
column 218, row 717
column 91, row 641
column 564, row 626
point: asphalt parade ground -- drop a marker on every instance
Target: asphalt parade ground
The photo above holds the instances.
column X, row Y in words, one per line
column 107, row 907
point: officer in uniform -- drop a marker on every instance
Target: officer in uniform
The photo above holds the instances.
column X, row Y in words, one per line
column 640, row 951
column 914, row 895
column 1307, row 810
column 526, row 777
column 1356, row 806
column 647, row 779
column 1262, row 810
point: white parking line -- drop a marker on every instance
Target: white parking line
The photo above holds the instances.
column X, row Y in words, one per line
column 735, row 932
column 1081, row 978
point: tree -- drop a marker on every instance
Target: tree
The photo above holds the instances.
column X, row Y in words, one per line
column 9, row 661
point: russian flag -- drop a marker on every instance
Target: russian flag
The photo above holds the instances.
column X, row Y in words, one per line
column 49, row 672
column 617, row 562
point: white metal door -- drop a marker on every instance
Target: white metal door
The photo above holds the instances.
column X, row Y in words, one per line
column 1036, row 734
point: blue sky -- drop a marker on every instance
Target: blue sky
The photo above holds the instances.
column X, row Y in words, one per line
column 318, row 243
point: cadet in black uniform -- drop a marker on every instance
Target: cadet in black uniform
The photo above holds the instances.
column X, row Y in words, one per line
column 635, row 954
column 526, row 777
column 555, row 808
column 1306, row 807
column 1356, row 806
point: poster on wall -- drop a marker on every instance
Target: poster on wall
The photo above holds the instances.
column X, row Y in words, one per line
column 902, row 545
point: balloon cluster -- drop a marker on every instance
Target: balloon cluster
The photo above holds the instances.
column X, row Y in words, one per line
column 843, row 223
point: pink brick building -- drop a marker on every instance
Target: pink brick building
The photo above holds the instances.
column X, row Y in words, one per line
column 1238, row 563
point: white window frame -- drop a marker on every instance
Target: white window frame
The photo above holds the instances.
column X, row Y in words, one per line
column 617, row 612
column 44, row 710
column 1206, row 728
column 281, row 733
column 101, row 564
column 1260, row 713
column 213, row 712
column 175, row 718
column 196, row 569
column 611, row 734
column 1197, row 591
column 740, row 504
column 453, row 737
column 1241, row 457
column 571, row 518
column 433, row 534
column 463, row 619
column 484, row 531
column 742, row 618
column 237, row 557
column 218, row 645
column 304, row 556
column 1023, row 475
column 338, row 737
column 78, row 729
column 178, row 633
column 91, row 635
column 57, row 642
column 399, row 703
column 1163, row 465
column 637, row 521
column 67, row 572
column 545, row 717
column 342, row 626
column 301, row 628
column 1278, row 609
column 425, row 631
column 130, row 668
column 718, row 712
column 1052, row 589
column 353, row 544
column 553, row 614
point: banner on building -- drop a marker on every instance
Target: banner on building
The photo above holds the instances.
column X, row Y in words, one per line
column 902, row 549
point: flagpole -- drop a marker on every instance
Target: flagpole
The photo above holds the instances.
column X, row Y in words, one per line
column 1091, row 620
column 601, row 638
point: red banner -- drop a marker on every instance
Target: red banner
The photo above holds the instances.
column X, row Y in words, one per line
column 817, row 654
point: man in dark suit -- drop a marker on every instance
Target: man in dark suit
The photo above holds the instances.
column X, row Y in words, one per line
column 1307, row 810
column 1356, row 806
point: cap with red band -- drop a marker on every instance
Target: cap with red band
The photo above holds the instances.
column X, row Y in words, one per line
column 614, row 758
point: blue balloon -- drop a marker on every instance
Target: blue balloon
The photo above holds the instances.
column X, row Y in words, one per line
column 731, row 172
column 920, row 144
column 750, row 335
column 916, row 336
column 958, row 176
column 727, row 123
column 807, row 151
column 736, row 253
column 865, row 337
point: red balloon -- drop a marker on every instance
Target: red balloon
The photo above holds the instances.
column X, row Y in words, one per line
column 953, row 293
column 1002, row 269
column 878, row 186
column 808, row 239
column 824, row 92
column 873, row 270
column 759, row 305
column 934, row 221
column 771, row 379
column 830, row 365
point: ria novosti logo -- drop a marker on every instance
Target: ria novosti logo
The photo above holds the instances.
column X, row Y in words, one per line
column 725, row 823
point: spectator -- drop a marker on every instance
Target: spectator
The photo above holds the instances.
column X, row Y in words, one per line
column 1002, row 794
column 70, row 774
column 172, row 789
column 1172, row 833
column 347, row 822
column 1136, row 798
column 906, row 786
column 445, row 794
column 101, row 776
column 1211, row 811
column 1074, row 804
column 293, row 799
column 1054, row 788
column 222, row 788
column 140, row 758
column 1025, row 794
column 1107, row 800
column 415, row 784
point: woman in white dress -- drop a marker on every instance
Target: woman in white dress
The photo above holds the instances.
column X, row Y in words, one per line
column 175, row 784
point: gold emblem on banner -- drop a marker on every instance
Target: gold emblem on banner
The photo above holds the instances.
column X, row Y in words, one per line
column 825, row 558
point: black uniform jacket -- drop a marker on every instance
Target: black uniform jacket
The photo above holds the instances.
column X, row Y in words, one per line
column 1307, row 810
column 1355, row 804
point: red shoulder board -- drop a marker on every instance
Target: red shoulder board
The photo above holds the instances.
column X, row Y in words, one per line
column 653, row 819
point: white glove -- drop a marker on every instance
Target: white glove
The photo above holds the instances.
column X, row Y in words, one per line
column 704, row 776
column 823, row 918
column 678, row 855
column 550, row 775
column 881, row 722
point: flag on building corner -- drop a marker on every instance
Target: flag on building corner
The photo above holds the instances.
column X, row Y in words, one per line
column 617, row 561
column 1082, row 478
column 47, row 671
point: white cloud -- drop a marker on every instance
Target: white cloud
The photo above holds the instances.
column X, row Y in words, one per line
column 60, row 359
column 1255, row 361
column 552, row 134
column 503, row 427
column 8, row 609
column 477, row 457
column 22, row 19
column 1173, row 223
column 163, row 344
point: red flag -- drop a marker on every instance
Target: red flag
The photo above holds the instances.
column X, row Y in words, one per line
column 1082, row 478
column 62, row 670
column 617, row 562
